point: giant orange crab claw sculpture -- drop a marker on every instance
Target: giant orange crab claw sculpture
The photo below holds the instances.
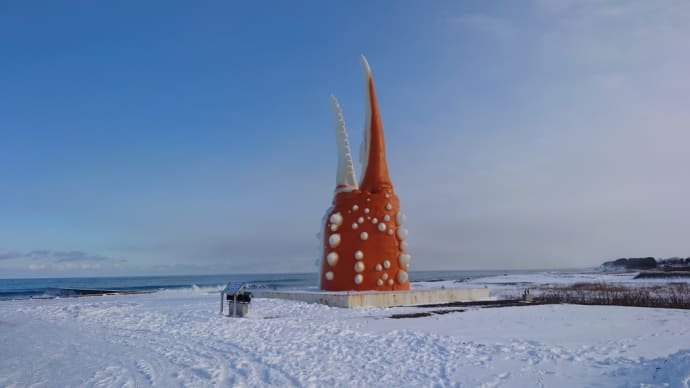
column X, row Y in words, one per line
column 364, row 244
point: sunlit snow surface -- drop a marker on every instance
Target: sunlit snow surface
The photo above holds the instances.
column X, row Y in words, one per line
column 177, row 338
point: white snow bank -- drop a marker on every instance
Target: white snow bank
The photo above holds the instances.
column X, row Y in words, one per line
column 560, row 278
column 177, row 338
column 512, row 285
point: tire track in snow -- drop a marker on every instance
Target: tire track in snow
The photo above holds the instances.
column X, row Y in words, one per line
column 200, row 362
column 147, row 371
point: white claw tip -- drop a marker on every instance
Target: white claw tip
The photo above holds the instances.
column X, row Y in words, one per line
column 365, row 65
column 345, row 173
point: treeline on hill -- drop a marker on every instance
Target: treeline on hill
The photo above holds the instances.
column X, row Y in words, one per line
column 649, row 263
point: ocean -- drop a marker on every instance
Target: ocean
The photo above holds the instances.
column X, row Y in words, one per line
column 65, row 287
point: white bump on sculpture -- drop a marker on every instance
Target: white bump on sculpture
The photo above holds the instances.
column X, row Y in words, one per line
column 334, row 240
column 337, row 219
column 359, row 266
column 404, row 259
column 332, row 259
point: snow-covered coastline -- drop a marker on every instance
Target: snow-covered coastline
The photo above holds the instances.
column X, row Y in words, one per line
column 177, row 338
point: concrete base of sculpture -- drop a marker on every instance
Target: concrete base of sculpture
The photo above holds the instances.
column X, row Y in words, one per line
column 349, row 299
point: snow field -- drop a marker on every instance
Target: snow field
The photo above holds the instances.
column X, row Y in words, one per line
column 177, row 338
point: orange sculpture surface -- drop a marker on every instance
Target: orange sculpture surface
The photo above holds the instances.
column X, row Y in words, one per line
column 364, row 244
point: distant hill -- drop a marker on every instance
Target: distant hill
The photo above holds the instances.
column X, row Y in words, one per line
column 647, row 263
column 631, row 263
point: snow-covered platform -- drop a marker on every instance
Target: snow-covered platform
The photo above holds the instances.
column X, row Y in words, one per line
column 381, row 298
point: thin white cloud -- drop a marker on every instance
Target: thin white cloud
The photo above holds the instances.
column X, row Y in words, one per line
column 483, row 24
column 58, row 261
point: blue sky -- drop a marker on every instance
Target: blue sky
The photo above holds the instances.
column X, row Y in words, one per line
column 169, row 137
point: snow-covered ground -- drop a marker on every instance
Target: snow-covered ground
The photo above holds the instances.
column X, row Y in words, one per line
column 177, row 338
